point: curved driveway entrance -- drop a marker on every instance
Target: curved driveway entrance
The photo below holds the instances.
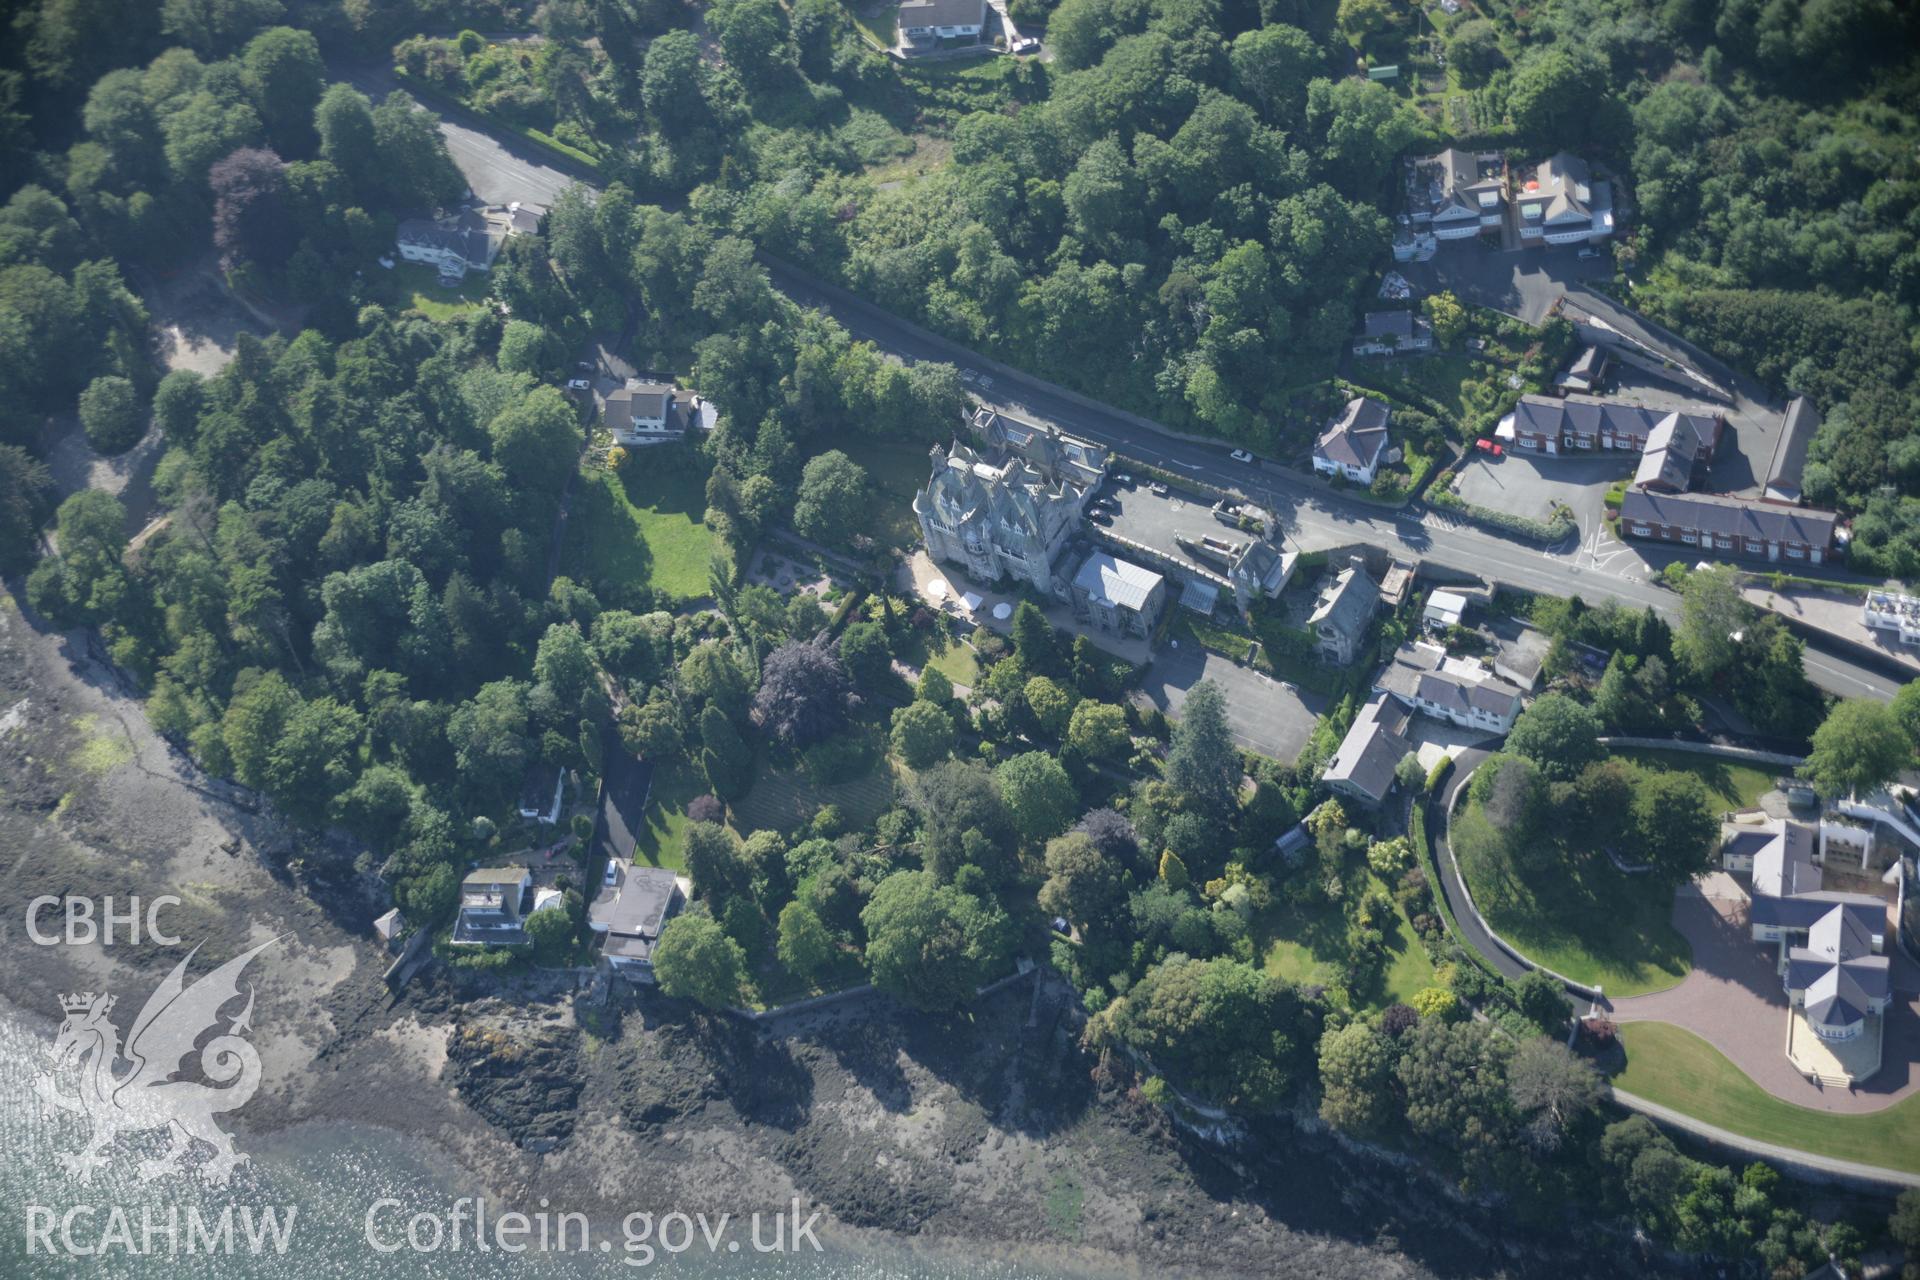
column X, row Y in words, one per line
column 1733, row 1000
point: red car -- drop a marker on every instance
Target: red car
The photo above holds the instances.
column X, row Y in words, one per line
column 1488, row 446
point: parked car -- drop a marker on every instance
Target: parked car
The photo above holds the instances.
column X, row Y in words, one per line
column 1241, row 455
column 1483, row 444
column 1123, row 478
column 1158, row 490
column 1589, row 253
column 1101, row 518
column 1025, row 44
column 386, row 262
column 579, row 384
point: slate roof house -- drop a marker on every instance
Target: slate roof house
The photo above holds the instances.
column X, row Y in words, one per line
column 1339, row 621
column 1457, row 690
column 1832, row 960
column 1460, row 194
column 643, row 413
column 1118, row 596
column 468, row 240
column 1577, row 424
column 1262, row 569
column 1009, row 508
column 541, row 788
column 1352, row 444
column 1383, row 333
column 1587, row 372
column 1788, row 465
column 1562, row 204
column 924, row 23
column 1736, row 525
column 1362, row 767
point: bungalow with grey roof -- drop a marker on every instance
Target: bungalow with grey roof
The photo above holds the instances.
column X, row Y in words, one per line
column 1586, row 374
column 925, row 23
column 1798, row 425
column 1383, row 333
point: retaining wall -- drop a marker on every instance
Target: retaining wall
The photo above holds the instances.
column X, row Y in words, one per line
column 1708, row 749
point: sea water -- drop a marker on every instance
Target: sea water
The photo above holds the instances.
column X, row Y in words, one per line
column 332, row 1201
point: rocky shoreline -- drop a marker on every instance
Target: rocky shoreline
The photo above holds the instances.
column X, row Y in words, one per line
column 987, row 1135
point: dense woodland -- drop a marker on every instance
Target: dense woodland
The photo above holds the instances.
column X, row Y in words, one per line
column 351, row 604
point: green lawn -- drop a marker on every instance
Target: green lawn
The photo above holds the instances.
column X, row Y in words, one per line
column 1577, row 916
column 418, row 286
column 1732, row 783
column 1302, row 946
column 659, row 840
column 1678, row 1069
column 950, row 657
column 641, row 527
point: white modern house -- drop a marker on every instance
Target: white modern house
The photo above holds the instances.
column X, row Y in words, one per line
column 492, row 902
column 1897, row 615
column 627, row 914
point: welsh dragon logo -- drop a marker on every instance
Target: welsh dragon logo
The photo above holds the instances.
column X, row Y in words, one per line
column 146, row 1096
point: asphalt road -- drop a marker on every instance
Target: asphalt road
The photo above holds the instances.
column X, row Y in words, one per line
column 1466, row 923
column 500, row 168
column 505, row 169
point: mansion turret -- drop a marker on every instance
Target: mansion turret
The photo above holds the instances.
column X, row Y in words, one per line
column 1008, row 503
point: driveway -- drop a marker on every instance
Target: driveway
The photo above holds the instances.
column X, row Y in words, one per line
column 1265, row 715
column 1523, row 283
column 1526, row 486
column 1732, row 999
